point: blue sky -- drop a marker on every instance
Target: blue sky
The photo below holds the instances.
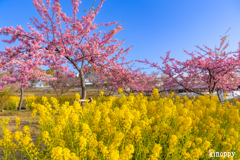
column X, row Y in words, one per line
column 153, row 27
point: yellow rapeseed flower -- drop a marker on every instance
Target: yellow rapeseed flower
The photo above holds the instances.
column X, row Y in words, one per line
column 56, row 153
column 114, row 155
column 157, row 149
column 101, row 93
column 7, row 135
column 17, row 122
column 120, row 90
column 224, row 95
column 46, row 137
column 173, row 141
column 18, row 135
column 5, row 121
column 198, row 140
column 26, row 140
column 111, row 128
column 33, row 113
column 206, row 145
column 26, row 129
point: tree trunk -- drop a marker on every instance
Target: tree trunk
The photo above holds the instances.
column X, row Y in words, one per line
column 55, row 91
column 82, row 79
column 83, row 86
column 21, row 99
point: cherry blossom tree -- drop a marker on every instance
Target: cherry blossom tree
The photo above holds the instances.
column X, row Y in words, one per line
column 63, row 84
column 158, row 81
column 73, row 45
column 127, row 79
column 216, row 70
column 23, row 72
column 143, row 81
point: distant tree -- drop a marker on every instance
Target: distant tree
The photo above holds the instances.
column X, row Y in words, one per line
column 15, row 87
column 142, row 80
column 33, row 82
column 130, row 81
column 64, row 83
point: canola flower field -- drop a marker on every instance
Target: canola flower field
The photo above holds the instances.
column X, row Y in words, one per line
column 127, row 127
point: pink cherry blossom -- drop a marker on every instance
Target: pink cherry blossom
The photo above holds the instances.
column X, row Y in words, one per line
column 213, row 71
